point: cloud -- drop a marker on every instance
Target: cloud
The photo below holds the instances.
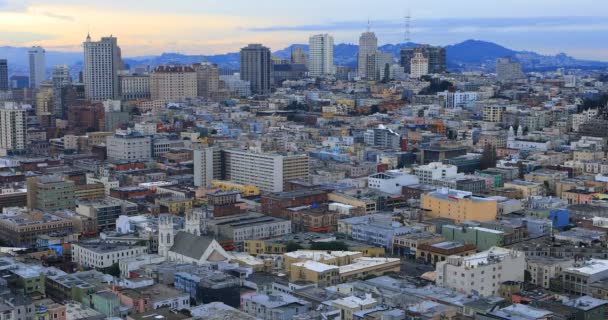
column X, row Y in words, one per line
column 24, row 37
column 57, row 16
column 457, row 25
column 13, row 5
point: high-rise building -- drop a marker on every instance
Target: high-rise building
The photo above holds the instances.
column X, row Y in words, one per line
column 207, row 166
column 321, row 55
column 44, row 105
column 102, row 61
column 507, row 69
column 173, row 83
column 208, row 79
column 134, row 86
column 368, row 47
column 435, row 56
column 419, row 65
column 129, row 146
column 4, row 75
column 51, row 192
column 256, row 68
column 37, row 66
column 298, row 56
column 268, row 171
column 13, row 121
column 384, row 61
column 61, row 80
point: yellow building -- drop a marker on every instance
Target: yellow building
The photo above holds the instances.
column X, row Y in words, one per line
column 255, row 247
column 246, row 190
column 322, row 274
column 458, row 205
column 527, row 188
column 493, row 113
column 175, row 205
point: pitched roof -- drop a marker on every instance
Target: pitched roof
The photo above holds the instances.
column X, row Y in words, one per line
column 190, row 245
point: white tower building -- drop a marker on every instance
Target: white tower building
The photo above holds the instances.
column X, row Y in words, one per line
column 193, row 221
column 102, row 60
column 321, row 55
column 366, row 64
column 166, row 234
column 419, row 65
column 37, row 66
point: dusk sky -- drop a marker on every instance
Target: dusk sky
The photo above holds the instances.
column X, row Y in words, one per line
column 579, row 28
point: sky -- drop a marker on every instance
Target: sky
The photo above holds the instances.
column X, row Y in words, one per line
column 146, row 27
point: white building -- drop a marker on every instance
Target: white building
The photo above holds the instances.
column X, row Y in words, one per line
column 507, row 70
column 321, row 55
column 173, row 83
column 391, row 181
column 102, row 254
column 583, row 117
column 129, row 264
column 458, row 99
column 427, row 174
column 129, row 146
column 543, row 269
column 241, row 88
column 368, row 46
column 37, row 66
column 481, row 273
column 268, row 171
column 102, row 60
column 134, row 86
column 419, row 65
column 145, row 128
column 204, row 160
column 13, row 122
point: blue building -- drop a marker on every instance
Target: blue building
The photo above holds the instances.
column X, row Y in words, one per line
column 560, row 217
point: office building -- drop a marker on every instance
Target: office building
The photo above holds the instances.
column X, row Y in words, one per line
column 173, row 83
column 129, row 146
column 4, row 85
column 50, row 192
column 105, row 211
column 434, row 171
column 269, row 172
column 577, row 280
column 13, row 123
column 207, row 166
column 298, row 56
column 419, row 65
column 102, row 61
column 458, row 205
column 37, row 66
column 482, row 273
column 61, row 80
column 368, row 47
column 321, row 55
column 435, row 56
column 493, row 113
column 507, row 70
column 23, row 228
column 382, row 137
column 208, row 79
column 256, row 68
column 384, row 61
column 104, row 254
column 134, row 86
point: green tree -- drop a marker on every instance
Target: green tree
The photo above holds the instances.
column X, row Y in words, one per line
column 292, row 246
column 330, row 245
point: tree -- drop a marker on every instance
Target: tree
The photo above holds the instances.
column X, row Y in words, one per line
column 330, row 245
column 292, row 246
column 488, row 157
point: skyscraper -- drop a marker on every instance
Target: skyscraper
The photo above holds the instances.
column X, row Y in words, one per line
column 435, row 55
column 61, row 80
column 102, row 60
column 256, row 67
column 368, row 46
column 208, row 79
column 3, row 75
column 13, row 122
column 37, row 66
column 298, row 56
column 419, row 65
column 321, row 55
column 507, row 69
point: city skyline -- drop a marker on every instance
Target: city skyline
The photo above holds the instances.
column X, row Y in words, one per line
column 211, row 27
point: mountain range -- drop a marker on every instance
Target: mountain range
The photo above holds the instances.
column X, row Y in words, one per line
column 467, row 55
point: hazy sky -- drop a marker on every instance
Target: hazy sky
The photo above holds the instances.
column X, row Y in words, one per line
column 579, row 28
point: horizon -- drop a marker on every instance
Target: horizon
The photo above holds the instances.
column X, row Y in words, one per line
column 210, row 27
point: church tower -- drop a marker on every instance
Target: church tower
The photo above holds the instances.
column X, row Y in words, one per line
column 193, row 221
column 165, row 234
